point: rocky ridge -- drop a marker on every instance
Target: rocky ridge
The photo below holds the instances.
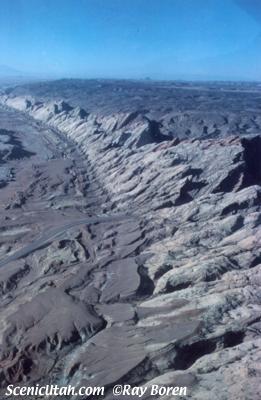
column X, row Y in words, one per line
column 172, row 294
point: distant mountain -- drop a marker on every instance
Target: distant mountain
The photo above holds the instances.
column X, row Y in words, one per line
column 11, row 76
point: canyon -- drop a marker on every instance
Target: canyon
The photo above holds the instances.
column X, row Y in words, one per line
column 130, row 236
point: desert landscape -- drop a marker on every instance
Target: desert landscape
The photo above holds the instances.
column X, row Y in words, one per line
column 130, row 240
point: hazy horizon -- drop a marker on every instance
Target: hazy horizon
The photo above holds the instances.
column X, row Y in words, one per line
column 204, row 40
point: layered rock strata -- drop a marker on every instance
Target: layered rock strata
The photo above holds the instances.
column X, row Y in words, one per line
column 168, row 290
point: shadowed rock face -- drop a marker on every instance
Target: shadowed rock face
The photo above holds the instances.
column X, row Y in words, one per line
column 167, row 291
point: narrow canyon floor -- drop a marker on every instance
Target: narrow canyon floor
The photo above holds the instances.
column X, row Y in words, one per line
column 130, row 240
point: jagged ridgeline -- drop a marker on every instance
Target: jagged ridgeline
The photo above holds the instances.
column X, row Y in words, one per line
column 167, row 289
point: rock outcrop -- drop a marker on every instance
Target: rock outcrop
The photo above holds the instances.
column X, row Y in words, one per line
column 168, row 295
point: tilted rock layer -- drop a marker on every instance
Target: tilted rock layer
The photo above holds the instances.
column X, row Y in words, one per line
column 169, row 292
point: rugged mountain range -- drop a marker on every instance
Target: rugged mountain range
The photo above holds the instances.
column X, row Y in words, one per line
column 131, row 235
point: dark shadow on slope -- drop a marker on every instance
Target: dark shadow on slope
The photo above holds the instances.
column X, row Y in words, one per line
column 252, row 157
column 152, row 134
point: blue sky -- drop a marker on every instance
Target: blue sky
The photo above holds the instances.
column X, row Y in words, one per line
column 162, row 39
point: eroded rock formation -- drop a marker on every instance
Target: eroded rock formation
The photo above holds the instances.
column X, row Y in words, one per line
column 168, row 289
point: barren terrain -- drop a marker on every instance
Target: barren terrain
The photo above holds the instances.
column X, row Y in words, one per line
column 130, row 236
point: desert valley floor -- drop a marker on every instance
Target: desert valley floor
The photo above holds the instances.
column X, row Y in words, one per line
column 130, row 240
